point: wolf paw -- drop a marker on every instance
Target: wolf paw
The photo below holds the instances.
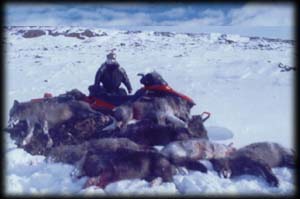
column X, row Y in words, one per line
column 225, row 174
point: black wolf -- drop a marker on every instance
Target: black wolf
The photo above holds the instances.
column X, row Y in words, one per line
column 148, row 132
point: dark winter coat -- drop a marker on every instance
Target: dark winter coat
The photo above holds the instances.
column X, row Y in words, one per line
column 111, row 77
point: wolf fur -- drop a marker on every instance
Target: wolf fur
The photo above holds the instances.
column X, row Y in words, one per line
column 46, row 114
column 126, row 163
column 158, row 106
column 256, row 159
column 148, row 132
column 111, row 159
column 196, row 149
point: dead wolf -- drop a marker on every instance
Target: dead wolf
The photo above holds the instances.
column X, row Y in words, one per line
column 125, row 163
column 148, row 132
column 156, row 101
column 46, row 113
column 111, row 159
column 196, row 149
column 256, row 159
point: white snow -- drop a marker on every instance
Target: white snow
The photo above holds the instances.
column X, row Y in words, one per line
column 239, row 83
column 28, row 174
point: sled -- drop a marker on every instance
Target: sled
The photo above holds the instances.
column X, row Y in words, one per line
column 218, row 133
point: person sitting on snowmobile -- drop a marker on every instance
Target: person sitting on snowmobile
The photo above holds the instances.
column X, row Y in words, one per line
column 111, row 75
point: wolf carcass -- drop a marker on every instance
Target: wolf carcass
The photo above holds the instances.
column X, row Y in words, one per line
column 111, row 159
column 196, row 149
column 157, row 102
column 46, row 114
column 148, row 132
column 256, row 159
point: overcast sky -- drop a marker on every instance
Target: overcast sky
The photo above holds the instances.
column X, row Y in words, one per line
column 133, row 14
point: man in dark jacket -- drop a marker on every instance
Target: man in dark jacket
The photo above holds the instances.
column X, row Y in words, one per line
column 111, row 75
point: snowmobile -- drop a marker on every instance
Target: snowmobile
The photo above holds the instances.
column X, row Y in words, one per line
column 100, row 100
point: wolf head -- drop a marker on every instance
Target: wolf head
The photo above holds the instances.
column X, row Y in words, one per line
column 162, row 168
column 16, row 113
column 222, row 167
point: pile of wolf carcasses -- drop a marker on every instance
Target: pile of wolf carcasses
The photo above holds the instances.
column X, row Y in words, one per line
column 98, row 131
column 100, row 135
column 111, row 138
column 162, row 115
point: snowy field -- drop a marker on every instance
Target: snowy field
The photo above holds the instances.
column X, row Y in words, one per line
column 237, row 79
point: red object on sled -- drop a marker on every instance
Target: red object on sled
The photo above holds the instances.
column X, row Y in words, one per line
column 168, row 89
column 93, row 101
column 97, row 103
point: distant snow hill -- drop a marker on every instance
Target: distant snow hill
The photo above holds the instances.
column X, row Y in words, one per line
column 84, row 33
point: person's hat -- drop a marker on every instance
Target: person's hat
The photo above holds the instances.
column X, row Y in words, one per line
column 111, row 58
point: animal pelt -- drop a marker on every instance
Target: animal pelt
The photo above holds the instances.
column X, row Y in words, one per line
column 74, row 131
column 113, row 159
column 162, row 107
column 71, row 153
column 196, row 149
column 256, row 159
column 48, row 112
column 147, row 132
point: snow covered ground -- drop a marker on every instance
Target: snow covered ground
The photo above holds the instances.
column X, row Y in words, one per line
column 237, row 79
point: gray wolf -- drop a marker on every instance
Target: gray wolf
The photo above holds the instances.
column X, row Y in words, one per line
column 256, row 159
column 46, row 113
column 196, row 149
column 111, row 159
column 162, row 107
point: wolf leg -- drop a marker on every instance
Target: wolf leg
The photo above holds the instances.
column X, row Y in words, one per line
column 29, row 135
column 78, row 171
column 123, row 115
column 263, row 170
column 46, row 132
column 190, row 164
column 269, row 176
column 114, row 125
column 195, row 165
